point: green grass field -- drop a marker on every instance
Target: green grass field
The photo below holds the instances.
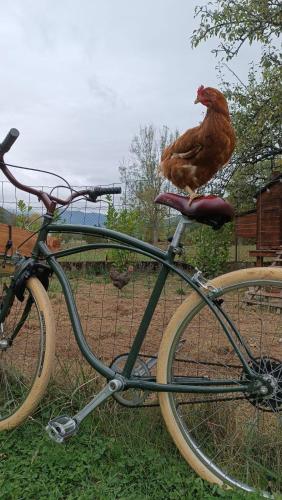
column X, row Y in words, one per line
column 117, row 454
column 190, row 251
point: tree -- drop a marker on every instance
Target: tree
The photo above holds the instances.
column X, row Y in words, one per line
column 27, row 219
column 142, row 180
column 24, row 214
column 126, row 221
column 211, row 248
column 236, row 22
column 255, row 106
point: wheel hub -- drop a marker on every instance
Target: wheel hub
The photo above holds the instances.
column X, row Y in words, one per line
column 267, row 394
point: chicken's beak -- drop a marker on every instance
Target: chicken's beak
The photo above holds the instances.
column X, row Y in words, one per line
column 197, row 100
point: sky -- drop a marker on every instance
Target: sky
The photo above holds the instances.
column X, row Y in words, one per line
column 80, row 77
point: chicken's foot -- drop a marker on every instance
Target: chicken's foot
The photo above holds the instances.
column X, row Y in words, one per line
column 192, row 194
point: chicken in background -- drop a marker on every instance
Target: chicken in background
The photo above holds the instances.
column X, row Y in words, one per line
column 120, row 279
column 193, row 159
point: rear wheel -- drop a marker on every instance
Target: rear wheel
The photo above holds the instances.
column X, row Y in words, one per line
column 231, row 438
column 26, row 362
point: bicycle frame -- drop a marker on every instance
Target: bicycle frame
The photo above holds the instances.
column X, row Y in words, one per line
column 28, row 267
column 166, row 259
column 256, row 380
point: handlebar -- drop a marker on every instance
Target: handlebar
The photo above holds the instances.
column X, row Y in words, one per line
column 9, row 140
column 48, row 200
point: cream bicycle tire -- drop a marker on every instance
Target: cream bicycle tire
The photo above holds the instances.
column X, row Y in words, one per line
column 45, row 361
column 183, row 316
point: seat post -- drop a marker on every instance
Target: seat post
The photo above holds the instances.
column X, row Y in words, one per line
column 179, row 231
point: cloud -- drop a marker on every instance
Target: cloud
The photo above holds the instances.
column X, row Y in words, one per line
column 79, row 78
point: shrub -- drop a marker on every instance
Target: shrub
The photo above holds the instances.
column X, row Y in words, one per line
column 126, row 221
column 211, row 249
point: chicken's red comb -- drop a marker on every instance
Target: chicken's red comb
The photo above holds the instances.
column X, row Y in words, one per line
column 200, row 89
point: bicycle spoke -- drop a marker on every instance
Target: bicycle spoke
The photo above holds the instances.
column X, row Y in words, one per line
column 240, row 434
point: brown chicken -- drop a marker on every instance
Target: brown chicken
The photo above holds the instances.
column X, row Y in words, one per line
column 192, row 160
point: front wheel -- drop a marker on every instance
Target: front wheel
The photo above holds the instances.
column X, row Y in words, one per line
column 231, row 438
column 26, row 362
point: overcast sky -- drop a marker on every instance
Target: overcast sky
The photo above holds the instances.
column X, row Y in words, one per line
column 78, row 79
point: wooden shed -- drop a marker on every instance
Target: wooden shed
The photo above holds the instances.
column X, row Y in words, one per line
column 18, row 236
column 264, row 224
column 246, row 225
column 269, row 214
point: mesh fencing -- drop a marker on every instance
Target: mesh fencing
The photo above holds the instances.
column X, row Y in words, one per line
column 111, row 287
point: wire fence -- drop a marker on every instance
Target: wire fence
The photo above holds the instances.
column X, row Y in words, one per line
column 111, row 287
column 89, row 213
column 19, row 208
column 109, row 314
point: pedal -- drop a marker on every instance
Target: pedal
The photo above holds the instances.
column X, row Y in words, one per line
column 61, row 428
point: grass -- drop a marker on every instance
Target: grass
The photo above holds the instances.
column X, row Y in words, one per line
column 190, row 251
column 117, row 454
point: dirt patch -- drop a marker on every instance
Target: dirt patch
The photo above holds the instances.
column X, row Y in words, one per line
column 111, row 317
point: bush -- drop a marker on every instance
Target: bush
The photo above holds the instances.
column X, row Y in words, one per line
column 125, row 221
column 211, row 249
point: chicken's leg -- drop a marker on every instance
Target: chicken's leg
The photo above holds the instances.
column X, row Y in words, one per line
column 192, row 194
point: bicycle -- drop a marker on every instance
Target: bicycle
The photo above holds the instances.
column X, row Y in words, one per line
column 219, row 369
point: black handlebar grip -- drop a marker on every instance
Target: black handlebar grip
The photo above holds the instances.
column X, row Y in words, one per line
column 99, row 191
column 9, row 140
column 114, row 190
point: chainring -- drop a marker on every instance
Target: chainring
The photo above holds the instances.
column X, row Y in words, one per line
column 131, row 397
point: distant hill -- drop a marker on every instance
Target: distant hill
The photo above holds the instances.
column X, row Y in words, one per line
column 84, row 218
column 6, row 217
column 68, row 217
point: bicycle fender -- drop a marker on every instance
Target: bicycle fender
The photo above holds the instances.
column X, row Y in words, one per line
column 26, row 270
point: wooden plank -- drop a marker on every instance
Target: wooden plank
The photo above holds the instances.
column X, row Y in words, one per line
column 246, row 225
column 263, row 252
column 261, row 303
column 7, row 270
column 276, row 295
column 18, row 236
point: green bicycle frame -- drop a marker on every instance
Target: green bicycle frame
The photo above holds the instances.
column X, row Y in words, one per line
column 166, row 259
column 34, row 266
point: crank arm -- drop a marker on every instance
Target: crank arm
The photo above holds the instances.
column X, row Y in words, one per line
column 61, row 428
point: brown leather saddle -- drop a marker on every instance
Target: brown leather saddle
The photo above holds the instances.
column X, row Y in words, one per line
column 211, row 210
